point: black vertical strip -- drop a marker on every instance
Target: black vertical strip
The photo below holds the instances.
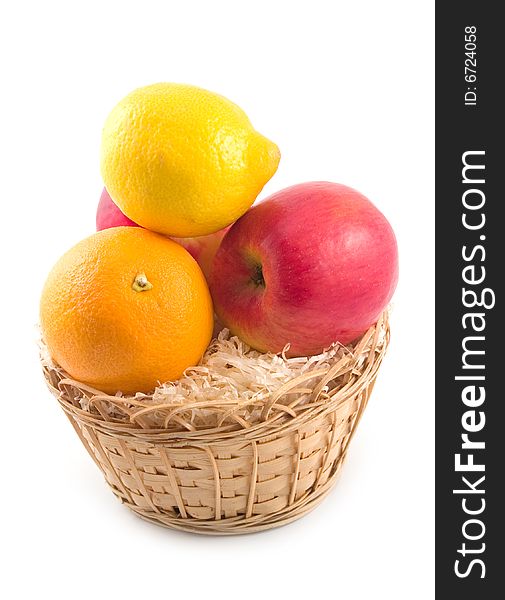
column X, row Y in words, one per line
column 470, row 332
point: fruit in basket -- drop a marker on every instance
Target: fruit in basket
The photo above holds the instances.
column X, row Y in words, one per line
column 202, row 249
column 313, row 264
column 124, row 309
column 183, row 161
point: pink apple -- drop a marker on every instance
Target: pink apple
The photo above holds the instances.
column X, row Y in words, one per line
column 108, row 214
column 202, row 249
column 310, row 265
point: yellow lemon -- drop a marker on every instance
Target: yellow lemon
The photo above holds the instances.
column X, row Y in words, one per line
column 183, row 161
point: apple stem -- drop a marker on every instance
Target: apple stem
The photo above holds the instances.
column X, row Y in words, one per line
column 257, row 277
column 141, row 283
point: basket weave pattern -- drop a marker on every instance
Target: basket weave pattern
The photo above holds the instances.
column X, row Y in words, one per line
column 240, row 476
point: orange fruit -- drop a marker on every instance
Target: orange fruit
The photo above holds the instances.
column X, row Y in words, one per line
column 124, row 309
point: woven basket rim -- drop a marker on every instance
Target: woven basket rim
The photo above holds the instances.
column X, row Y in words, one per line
column 353, row 371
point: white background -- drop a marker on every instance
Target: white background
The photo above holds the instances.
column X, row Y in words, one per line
column 346, row 91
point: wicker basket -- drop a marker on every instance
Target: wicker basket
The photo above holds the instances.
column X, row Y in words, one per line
column 240, row 476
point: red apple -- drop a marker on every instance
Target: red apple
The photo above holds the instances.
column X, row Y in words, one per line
column 310, row 265
column 202, row 249
column 108, row 214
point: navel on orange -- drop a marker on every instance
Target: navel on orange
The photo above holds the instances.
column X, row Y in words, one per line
column 124, row 309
